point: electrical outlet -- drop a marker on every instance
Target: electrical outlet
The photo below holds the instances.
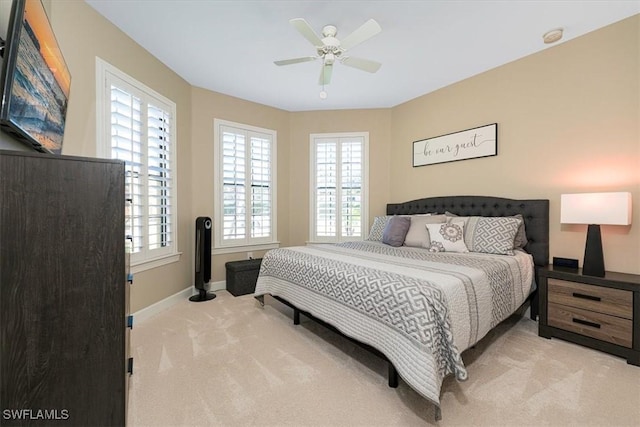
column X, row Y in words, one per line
column 249, row 255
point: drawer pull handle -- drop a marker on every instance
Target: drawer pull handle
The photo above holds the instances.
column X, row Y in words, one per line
column 583, row 296
column 587, row 323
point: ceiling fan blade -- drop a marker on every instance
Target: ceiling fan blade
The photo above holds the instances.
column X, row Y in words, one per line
column 295, row 60
column 365, row 32
column 307, row 32
column 362, row 64
column 325, row 74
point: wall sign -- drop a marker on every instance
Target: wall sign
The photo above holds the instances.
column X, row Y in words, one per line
column 467, row 144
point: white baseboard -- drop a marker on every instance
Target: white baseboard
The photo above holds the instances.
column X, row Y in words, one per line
column 160, row 306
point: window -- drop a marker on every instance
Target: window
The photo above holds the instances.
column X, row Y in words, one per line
column 339, row 181
column 137, row 125
column 244, row 187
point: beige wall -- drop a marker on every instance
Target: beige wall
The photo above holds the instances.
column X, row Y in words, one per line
column 568, row 121
column 376, row 121
column 207, row 106
column 293, row 131
column 83, row 34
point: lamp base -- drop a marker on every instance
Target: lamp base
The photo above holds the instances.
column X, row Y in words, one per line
column 593, row 264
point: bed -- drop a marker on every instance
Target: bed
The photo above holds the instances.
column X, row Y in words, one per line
column 418, row 308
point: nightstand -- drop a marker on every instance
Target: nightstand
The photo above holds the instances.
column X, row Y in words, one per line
column 598, row 312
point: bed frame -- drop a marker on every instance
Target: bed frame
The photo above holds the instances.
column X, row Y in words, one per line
column 536, row 219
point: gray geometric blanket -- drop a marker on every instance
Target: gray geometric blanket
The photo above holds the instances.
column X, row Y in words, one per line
column 420, row 309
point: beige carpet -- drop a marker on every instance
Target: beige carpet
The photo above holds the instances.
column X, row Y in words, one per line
column 229, row 362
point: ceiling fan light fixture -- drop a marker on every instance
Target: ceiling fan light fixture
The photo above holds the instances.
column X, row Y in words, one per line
column 329, row 59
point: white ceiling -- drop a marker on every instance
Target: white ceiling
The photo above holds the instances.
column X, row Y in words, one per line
column 229, row 46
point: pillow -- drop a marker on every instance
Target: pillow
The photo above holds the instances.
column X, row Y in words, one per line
column 491, row 235
column 396, row 230
column 447, row 237
column 520, row 240
column 379, row 223
column 418, row 235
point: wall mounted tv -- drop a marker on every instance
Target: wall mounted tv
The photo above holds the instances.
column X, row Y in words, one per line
column 35, row 80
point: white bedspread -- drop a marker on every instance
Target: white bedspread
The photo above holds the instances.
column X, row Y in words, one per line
column 420, row 309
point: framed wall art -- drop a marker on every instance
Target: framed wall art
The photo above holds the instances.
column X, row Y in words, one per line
column 472, row 143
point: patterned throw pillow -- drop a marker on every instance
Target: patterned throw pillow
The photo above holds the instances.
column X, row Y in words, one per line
column 491, row 235
column 447, row 237
column 379, row 223
column 520, row 240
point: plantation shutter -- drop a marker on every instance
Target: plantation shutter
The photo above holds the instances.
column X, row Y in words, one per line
column 160, row 182
column 261, row 200
column 126, row 137
column 138, row 126
column 141, row 137
column 338, row 205
column 233, row 184
column 326, row 188
column 351, row 189
column 247, row 186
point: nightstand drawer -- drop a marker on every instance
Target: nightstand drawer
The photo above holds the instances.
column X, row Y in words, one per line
column 600, row 326
column 615, row 302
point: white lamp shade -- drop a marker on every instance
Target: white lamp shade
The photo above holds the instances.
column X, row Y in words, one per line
column 596, row 208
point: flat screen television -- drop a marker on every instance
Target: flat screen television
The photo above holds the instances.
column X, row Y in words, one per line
column 34, row 81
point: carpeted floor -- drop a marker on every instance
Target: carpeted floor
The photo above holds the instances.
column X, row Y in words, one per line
column 230, row 362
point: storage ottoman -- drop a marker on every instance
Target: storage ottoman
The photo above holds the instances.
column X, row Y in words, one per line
column 242, row 276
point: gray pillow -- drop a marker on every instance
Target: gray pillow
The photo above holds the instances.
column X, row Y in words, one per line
column 521, row 236
column 396, row 230
column 418, row 235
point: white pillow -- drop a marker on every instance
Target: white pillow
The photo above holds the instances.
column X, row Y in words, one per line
column 447, row 237
column 418, row 236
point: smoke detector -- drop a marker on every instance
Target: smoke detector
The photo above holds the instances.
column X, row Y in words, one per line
column 552, row 36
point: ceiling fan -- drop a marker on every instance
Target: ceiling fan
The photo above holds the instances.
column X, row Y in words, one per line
column 330, row 49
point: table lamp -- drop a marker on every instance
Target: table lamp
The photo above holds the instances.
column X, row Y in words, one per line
column 595, row 209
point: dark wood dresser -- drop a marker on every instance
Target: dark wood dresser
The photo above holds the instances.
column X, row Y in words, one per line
column 598, row 312
column 63, row 291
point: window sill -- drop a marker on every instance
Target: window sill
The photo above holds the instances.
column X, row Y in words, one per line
column 245, row 248
column 326, row 242
column 155, row 263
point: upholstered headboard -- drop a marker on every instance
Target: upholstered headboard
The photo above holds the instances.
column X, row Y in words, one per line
column 534, row 212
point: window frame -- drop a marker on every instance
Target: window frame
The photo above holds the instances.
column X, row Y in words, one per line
column 106, row 74
column 220, row 246
column 313, row 237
